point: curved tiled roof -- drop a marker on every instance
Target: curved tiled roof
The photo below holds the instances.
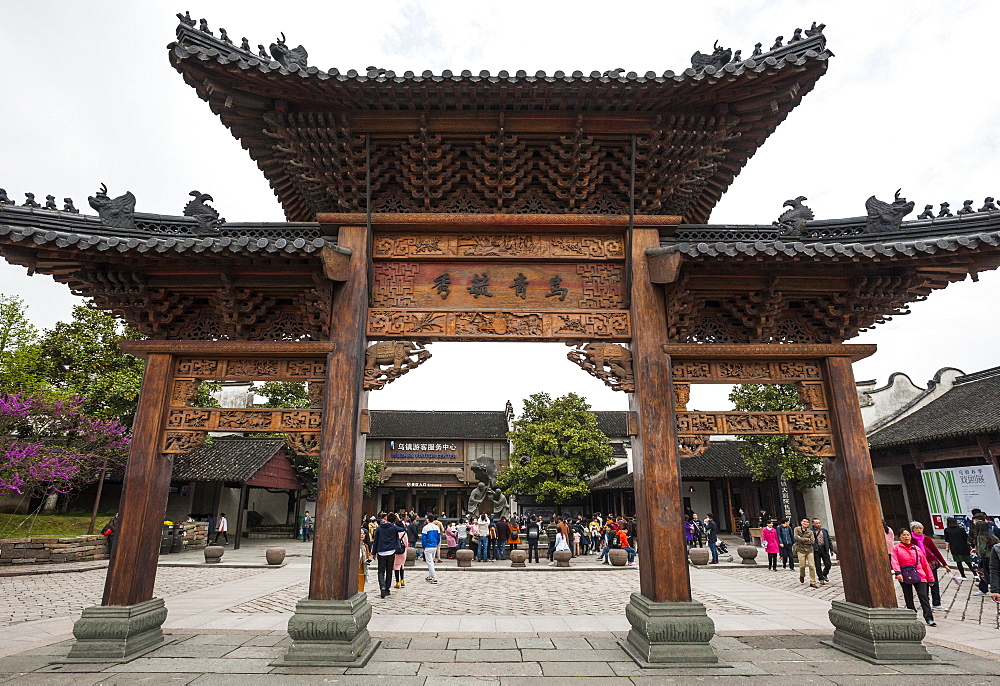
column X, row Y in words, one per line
column 299, row 124
column 971, row 407
column 234, row 459
column 722, row 460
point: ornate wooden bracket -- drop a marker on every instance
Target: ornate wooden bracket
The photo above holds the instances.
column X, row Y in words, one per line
column 692, row 446
column 386, row 361
column 752, row 423
column 609, row 362
column 664, row 264
column 336, row 262
column 682, row 394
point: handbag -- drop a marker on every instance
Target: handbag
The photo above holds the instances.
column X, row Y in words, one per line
column 909, row 574
column 107, row 531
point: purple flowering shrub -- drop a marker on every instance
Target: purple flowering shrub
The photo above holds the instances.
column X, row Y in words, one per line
column 49, row 445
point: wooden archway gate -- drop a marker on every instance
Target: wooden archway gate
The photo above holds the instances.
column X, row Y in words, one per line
column 519, row 278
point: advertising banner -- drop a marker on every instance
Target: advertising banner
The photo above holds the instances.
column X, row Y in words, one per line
column 956, row 491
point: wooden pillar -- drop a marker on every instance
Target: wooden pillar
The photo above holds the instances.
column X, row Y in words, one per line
column 241, row 513
column 855, row 509
column 132, row 570
column 334, row 574
column 663, row 573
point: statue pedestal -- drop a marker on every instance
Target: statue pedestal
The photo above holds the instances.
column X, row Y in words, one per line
column 878, row 635
column 668, row 634
column 464, row 557
column 117, row 633
column 330, row 633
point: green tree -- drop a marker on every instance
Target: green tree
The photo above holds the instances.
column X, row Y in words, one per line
column 82, row 358
column 284, row 394
column 373, row 475
column 558, row 446
column 19, row 352
column 773, row 456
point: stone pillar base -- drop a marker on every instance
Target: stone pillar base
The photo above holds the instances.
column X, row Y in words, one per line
column 116, row 633
column 330, row 633
column 668, row 634
column 878, row 635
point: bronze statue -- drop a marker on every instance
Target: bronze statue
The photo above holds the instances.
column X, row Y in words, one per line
column 477, row 497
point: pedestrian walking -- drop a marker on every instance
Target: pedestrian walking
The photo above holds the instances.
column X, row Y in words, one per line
column 821, row 550
column 912, row 571
column 982, row 541
column 386, row 546
column 934, row 559
column 956, row 542
column 430, row 538
column 805, row 541
column 222, row 528
column 483, row 542
column 532, row 532
column 712, row 537
column 307, row 525
column 769, row 538
column 786, row 540
column 399, row 559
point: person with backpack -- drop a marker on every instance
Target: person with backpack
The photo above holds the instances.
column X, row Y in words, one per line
column 712, row 537
column 551, row 529
column 982, row 540
column 532, row 532
column 385, row 546
column 786, row 539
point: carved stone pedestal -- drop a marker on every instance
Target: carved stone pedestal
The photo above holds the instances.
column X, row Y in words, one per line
column 117, row 633
column 331, row 633
column 668, row 634
column 878, row 635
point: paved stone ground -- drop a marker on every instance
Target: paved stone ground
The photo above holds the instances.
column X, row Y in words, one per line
column 523, row 661
column 511, row 593
column 957, row 600
column 25, row 598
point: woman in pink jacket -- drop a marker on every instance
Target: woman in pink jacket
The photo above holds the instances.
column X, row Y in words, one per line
column 910, row 566
column 769, row 537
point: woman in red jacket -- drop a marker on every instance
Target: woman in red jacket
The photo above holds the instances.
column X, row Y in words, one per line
column 934, row 558
column 909, row 564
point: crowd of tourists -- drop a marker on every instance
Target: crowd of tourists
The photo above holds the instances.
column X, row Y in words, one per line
column 386, row 537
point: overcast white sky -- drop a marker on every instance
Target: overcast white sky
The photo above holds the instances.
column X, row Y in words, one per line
column 911, row 100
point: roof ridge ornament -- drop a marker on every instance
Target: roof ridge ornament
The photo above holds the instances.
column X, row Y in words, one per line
column 207, row 216
column 884, row 217
column 289, row 57
column 792, row 222
column 117, row 212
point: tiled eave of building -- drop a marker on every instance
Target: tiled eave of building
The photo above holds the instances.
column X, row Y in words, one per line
column 248, row 91
column 155, row 234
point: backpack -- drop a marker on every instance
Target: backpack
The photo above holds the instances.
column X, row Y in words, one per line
column 614, row 541
column 532, row 531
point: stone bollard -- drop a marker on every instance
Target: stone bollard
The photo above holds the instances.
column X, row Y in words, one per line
column 618, row 557
column 517, row 558
column 698, row 556
column 274, row 556
column 562, row 558
column 464, row 557
column 748, row 553
column 411, row 557
column 213, row 554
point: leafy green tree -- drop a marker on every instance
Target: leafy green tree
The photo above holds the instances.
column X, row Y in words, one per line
column 559, row 448
column 773, row 456
column 284, row 394
column 373, row 475
column 19, row 352
column 82, row 358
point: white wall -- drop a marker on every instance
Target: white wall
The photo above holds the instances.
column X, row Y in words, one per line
column 817, row 502
column 273, row 506
column 701, row 499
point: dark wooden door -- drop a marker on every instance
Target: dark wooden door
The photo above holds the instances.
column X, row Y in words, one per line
column 893, row 506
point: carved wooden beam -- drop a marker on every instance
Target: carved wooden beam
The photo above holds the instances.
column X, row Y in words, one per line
column 752, row 423
column 336, row 262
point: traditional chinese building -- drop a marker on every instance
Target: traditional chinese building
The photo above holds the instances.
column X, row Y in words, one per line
column 515, row 207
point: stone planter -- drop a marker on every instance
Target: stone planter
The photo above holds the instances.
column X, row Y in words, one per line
column 748, row 553
column 618, row 557
column 411, row 557
column 562, row 558
column 274, row 556
column 213, row 554
column 464, row 557
column 517, row 558
column 699, row 556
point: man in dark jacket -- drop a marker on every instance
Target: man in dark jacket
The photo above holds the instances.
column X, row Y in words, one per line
column 712, row 534
column 532, row 532
column 995, row 573
column 503, row 533
column 821, row 551
column 550, row 532
column 413, row 532
column 384, row 544
column 786, row 540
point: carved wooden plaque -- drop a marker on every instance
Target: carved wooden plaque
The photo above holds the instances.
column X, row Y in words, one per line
column 499, row 286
